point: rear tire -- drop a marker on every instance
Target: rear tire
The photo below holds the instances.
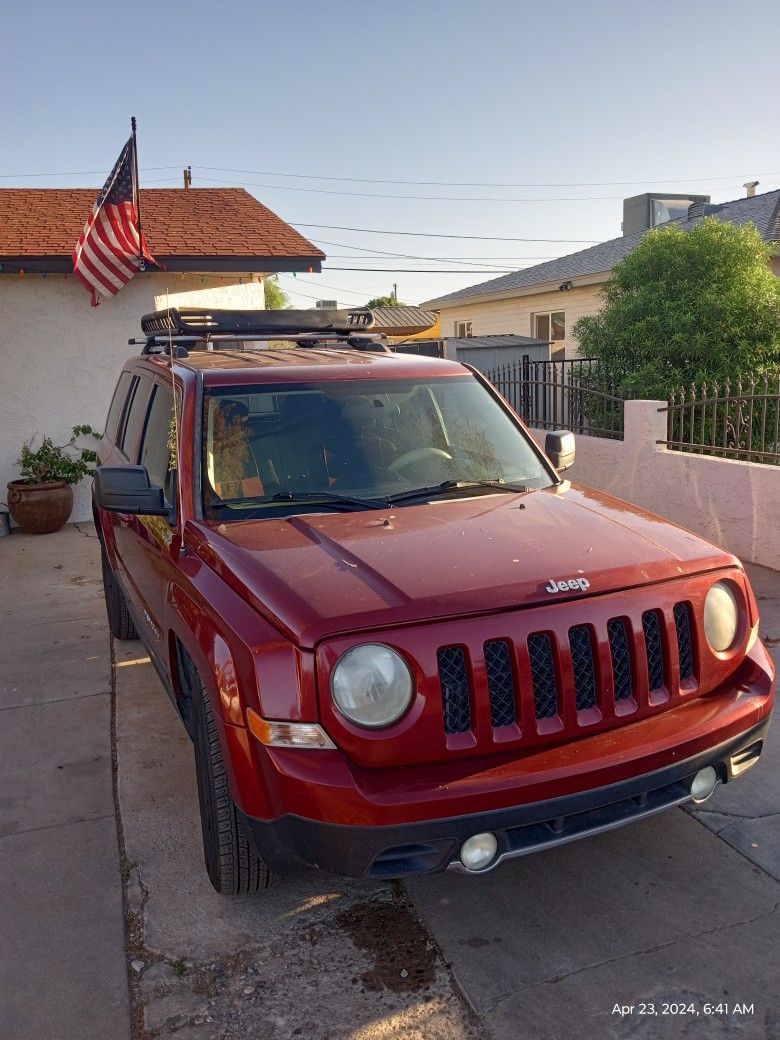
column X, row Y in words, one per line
column 233, row 866
column 120, row 622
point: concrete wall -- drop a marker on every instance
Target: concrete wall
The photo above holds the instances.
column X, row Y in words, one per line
column 514, row 315
column 60, row 357
column 734, row 504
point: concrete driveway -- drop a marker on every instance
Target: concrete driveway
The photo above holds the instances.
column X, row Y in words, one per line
column 109, row 928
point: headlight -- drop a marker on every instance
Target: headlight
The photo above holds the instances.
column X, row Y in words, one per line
column 371, row 685
column 721, row 617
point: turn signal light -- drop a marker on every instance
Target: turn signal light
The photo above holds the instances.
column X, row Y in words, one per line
column 288, row 734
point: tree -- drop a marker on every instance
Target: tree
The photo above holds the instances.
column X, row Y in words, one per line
column 686, row 307
column 275, row 298
column 383, row 301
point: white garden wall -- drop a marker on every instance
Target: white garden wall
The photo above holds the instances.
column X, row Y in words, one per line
column 60, row 358
column 734, row 504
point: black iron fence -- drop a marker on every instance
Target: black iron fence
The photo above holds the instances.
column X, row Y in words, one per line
column 737, row 419
column 570, row 395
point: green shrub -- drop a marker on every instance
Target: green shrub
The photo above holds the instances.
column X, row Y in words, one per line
column 686, row 307
column 52, row 462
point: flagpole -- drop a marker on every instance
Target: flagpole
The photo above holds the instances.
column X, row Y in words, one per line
column 141, row 262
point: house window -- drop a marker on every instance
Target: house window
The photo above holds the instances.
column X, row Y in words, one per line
column 463, row 330
column 550, row 326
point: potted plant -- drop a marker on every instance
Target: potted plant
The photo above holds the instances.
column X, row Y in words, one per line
column 42, row 499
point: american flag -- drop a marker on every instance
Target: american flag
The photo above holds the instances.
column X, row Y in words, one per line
column 111, row 247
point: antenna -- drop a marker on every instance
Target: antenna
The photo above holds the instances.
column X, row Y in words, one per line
column 174, row 460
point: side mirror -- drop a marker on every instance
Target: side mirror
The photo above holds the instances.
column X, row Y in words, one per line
column 559, row 448
column 126, row 489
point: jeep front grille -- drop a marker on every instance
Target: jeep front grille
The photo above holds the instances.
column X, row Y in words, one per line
column 543, row 674
column 584, row 667
column 544, row 677
column 501, row 683
column 682, row 624
column 654, row 647
column 621, row 659
column 454, row 679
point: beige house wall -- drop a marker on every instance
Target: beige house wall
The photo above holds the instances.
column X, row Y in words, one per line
column 513, row 315
column 60, row 358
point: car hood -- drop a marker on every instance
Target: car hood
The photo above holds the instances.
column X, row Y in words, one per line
column 323, row 574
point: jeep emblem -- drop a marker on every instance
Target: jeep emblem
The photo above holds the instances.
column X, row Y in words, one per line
column 567, row 585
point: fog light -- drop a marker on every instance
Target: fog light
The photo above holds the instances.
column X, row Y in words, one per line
column 704, row 783
column 479, row 851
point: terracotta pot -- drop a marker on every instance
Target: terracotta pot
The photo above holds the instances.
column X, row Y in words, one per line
column 40, row 508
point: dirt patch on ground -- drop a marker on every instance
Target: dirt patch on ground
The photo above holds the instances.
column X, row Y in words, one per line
column 402, row 953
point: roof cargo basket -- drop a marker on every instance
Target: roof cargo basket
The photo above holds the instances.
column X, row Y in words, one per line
column 198, row 321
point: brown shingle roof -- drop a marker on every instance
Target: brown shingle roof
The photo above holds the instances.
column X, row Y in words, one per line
column 184, row 227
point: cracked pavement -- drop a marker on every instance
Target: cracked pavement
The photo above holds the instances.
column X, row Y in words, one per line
column 124, row 939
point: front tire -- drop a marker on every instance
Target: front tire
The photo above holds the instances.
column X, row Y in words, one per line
column 233, row 866
column 120, row 623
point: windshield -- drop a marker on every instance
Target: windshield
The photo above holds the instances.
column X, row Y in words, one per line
column 273, row 450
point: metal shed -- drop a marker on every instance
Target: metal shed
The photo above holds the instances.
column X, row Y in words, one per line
column 488, row 352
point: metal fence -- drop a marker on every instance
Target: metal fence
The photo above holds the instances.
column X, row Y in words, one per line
column 571, row 395
column 734, row 420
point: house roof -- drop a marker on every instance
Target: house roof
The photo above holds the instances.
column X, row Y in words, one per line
column 186, row 229
column 503, row 340
column 403, row 321
column 761, row 210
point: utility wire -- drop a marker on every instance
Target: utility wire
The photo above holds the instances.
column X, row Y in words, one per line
column 335, row 288
column 429, row 270
column 79, row 173
column 389, row 180
column 482, row 184
column 412, row 256
column 413, row 198
column 505, row 260
column 434, row 234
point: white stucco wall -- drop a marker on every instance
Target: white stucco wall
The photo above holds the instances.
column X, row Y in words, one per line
column 60, row 358
column 733, row 504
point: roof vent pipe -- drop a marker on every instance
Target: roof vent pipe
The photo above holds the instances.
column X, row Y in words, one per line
column 750, row 188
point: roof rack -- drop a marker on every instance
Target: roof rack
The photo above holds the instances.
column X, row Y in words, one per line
column 200, row 322
column 178, row 330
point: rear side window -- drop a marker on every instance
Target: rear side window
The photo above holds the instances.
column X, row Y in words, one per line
column 117, row 405
column 155, row 451
column 134, row 417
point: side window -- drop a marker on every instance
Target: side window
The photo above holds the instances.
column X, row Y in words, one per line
column 155, row 450
column 135, row 417
column 117, row 405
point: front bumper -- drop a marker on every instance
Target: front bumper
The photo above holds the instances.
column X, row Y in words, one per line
column 405, row 849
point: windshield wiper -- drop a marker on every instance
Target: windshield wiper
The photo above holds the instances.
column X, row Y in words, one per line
column 448, row 486
column 326, row 497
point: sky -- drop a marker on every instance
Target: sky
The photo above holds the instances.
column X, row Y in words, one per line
column 536, row 119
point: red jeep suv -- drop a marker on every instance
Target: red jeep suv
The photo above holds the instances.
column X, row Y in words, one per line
column 399, row 640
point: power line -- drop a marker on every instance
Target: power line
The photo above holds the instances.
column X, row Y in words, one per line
column 434, row 234
column 390, row 180
column 413, row 256
column 423, row 270
column 466, row 259
column 78, row 173
column 323, row 285
column 482, row 184
column 415, row 198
